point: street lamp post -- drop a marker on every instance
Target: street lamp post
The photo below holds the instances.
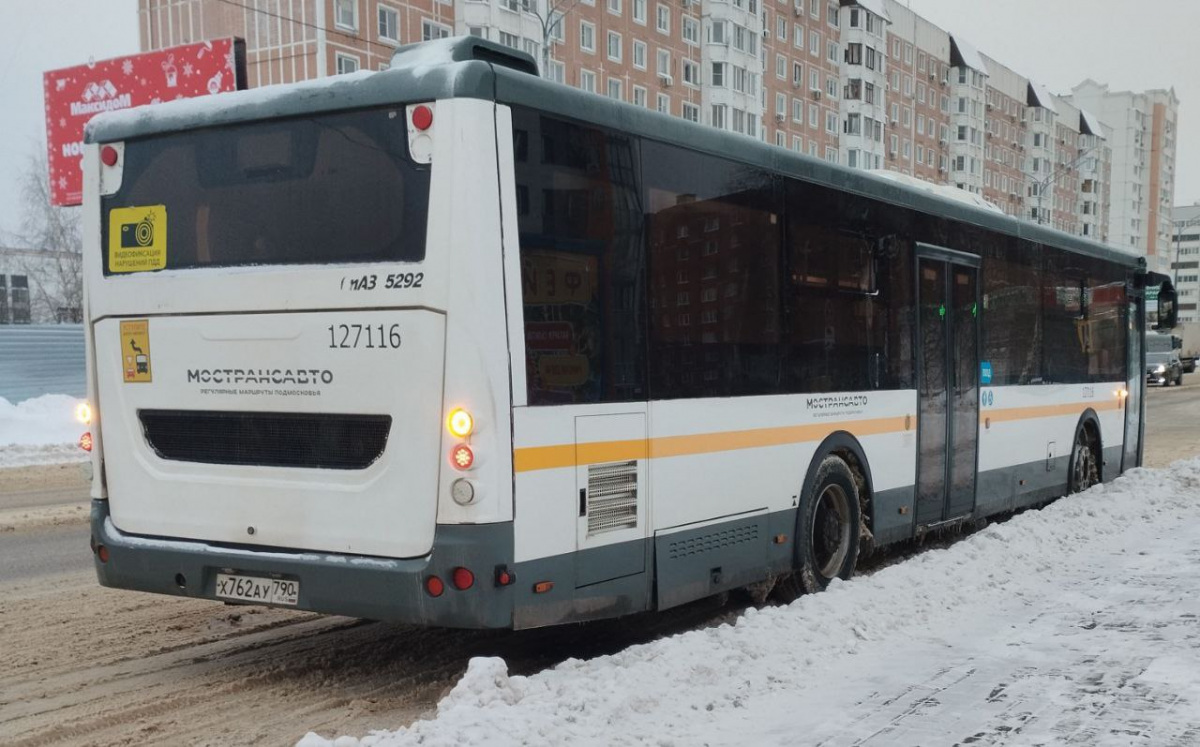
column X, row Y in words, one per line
column 1053, row 176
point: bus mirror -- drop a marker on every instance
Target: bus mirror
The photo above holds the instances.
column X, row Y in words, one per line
column 1168, row 312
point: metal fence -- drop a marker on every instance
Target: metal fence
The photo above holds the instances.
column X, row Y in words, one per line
column 41, row 359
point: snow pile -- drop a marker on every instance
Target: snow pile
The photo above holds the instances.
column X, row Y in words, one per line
column 1077, row 623
column 42, row 430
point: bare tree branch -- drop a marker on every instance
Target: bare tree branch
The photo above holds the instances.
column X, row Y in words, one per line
column 55, row 269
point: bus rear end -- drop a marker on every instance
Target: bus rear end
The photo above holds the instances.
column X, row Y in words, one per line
column 297, row 357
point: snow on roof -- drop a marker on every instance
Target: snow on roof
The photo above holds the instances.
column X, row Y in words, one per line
column 970, row 57
column 941, row 190
column 1039, row 96
column 1090, row 123
column 876, row 7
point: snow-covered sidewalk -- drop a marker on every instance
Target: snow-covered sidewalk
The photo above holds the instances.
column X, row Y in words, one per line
column 1075, row 624
column 42, row 430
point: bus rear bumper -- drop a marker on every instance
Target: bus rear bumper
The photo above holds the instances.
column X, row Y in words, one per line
column 374, row 588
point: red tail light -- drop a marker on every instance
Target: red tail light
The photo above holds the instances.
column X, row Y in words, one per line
column 463, row 579
column 85, row 441
column 434, row 586
column 462, row 457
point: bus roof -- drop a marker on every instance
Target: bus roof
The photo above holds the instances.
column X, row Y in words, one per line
column 468, row 67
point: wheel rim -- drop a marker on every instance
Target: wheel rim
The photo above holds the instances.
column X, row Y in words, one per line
column 1085, row 472
column 831, row 531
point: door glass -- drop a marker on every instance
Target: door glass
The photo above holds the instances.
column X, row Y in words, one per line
column 965, row 388
column 1136, row 379
column 931, row 462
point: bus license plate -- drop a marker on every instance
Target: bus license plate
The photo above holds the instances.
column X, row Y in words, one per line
column 257, row 589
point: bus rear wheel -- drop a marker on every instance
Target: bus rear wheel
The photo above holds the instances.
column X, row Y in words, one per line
column 1085, row 467
column 827, row 531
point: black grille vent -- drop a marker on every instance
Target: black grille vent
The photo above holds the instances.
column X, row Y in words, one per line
column 267, row 439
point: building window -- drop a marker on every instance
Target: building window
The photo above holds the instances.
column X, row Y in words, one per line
column 639, row 96
column 691, row 73
column 587, row 81
column 510, row 40
column 431, row 30
column 615, row 89
column 639, row 55
column 389, row 24
column 614, row 7
column 691, row 30
column 691, row 112
column 587, row 37
column 345, row 14
column 663, row 19
column 614, row 46
column 664, row 63
column 639, row 11
column 664, row 103
column 346, row 63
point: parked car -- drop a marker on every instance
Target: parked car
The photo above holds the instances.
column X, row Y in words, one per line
column 1164, row 368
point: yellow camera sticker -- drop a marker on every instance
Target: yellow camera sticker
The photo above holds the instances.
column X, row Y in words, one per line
column 137, row 238
column 135, row 350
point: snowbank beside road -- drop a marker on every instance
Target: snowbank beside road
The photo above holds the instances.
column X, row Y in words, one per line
column 42, row 430
column 1078, row 623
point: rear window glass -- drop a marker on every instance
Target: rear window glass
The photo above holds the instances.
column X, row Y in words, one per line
column 332, row 188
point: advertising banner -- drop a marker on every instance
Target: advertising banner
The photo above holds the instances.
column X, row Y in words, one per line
column 76, row 94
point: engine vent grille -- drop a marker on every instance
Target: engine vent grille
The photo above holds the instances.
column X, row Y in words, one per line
column 267, row 439
column 612, row 497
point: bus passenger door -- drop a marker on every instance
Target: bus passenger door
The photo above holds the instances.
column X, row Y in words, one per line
column 610, row 475
column 948, row 384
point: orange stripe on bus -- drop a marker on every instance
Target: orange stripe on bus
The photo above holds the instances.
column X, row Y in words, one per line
column 1046, row 411
column 533, row 458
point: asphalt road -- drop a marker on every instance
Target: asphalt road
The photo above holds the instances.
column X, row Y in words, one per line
column 46, row 551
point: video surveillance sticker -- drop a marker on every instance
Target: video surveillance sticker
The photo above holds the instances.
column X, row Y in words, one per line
column 137, row 238
column 135, row 350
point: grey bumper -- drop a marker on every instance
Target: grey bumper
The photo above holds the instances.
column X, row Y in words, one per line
column 373, row 588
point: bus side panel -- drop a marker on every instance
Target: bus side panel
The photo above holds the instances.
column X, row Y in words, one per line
column 1026, row 436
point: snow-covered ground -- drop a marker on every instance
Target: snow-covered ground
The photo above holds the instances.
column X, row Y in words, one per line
column 1075, row 624
column 42, row 430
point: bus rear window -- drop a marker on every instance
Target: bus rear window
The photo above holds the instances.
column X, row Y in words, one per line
column 332, row 188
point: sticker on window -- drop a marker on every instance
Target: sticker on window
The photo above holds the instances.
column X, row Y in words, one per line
column 137, row 238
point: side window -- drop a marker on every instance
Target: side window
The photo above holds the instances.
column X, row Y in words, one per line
column 713, row 233
column 1105, row 303
column 582, row 262
column 4, row 319
column 21, row 311
column 846, row 300
column 1012, row 311
column 1064, row 317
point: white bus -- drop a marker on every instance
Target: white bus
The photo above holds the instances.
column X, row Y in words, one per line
column 454, row 345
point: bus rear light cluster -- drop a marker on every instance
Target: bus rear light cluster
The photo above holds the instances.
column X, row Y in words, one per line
column 462, row 578
column 85, row 441
column 422, row 117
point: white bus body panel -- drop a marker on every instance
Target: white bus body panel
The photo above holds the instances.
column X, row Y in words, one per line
column 1026, row 424
column 386, row 509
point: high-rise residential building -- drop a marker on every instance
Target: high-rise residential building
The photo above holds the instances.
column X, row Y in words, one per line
column 866, row 83
column 1185, row 259
column 1143, row 164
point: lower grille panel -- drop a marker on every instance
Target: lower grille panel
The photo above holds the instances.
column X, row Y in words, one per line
column 267, row 439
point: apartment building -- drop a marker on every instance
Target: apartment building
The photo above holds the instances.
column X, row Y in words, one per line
column 1143, row 164
column 866, row 83
column 1185, row 259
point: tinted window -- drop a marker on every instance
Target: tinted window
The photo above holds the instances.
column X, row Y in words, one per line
column 1012, row 311
column 713, row 231
column 582, row 261
column 331, row 188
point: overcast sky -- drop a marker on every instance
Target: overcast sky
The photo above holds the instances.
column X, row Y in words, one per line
column 1148, row 44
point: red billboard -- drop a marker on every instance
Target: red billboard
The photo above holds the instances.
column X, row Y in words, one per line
column 76, row 94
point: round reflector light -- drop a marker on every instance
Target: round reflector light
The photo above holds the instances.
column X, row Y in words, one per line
column 85, row 441
column 462, row 457
column 422, row 117
column 102, row 553
column 460, row 422
column 462, row 491
column 108, row 155
column 434, row 586
column 463, row 579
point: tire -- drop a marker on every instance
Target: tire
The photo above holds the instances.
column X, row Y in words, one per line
column 827, row 531
column 1085, row 466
